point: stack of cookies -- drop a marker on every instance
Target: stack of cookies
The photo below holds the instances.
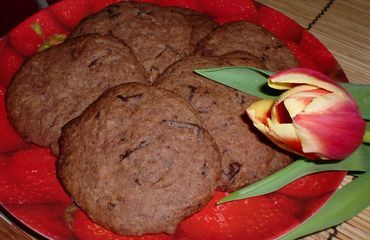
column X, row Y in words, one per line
column 142, row 140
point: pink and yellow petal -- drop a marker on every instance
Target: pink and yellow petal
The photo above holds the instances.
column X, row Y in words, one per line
column 299, row 76
column 261, row 127
column 311, row 93
column 292, row 146
column 297, row 103
column 282, row 132
column 279, row 113
column 285, row 133
column 326, row 104
column 275, row 117
column 293, row 91
column 332, row 132
column 295, row 106
column 260, row 110
column 315, row 117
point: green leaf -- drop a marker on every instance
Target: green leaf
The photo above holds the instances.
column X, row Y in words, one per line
column 361, row 92
column 254, row 82
column 345, row 203
column 246, row 79
column 357, row 161
column 268, row 73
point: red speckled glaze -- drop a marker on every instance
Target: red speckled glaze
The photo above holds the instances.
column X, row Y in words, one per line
column 29, row 188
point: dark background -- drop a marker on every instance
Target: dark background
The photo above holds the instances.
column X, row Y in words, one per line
column 12, row 12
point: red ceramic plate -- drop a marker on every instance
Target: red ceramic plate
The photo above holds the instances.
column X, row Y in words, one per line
column 29, row 188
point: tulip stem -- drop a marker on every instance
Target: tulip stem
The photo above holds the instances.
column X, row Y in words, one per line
column 367, row 137
column 357, row 162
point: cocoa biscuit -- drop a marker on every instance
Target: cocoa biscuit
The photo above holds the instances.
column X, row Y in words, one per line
column 240, row 58
column 202, row 24
column 251, row 38
column 56, row 85
column 246, row 156
column 138, row 160
column 158, row 36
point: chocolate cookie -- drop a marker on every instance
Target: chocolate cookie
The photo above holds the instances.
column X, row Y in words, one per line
column 56, row 85
column 158, row 36
column 251, row 38
column 246, row 156
column 202, row 24
column 138, row 160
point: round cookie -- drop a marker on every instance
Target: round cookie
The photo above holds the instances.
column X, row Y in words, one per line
column 56, row 85
column 251, row 38
column 246, row 157
column 158, row 36
column 202, row 24
column 138, row 160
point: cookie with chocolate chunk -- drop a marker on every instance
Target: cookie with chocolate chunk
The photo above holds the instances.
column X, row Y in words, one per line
column 251, row 38
column 158, row 36
column 246, row 156
column 56, row 85
column 138, row 160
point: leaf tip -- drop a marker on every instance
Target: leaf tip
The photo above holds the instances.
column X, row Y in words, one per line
column 229, row 198
column 201, row 71
column 222, row 201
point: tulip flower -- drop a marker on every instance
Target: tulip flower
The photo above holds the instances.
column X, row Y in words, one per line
column 315, row 118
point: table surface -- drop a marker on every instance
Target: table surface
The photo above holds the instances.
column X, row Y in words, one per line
column 345, row 31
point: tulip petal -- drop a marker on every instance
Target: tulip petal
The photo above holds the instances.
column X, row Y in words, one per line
column 295, row 106
column 316, row 118
column 260, row 110
column 259, row 113
column 332, row 100
column 297, row 103
column 310, row 93
column 278, row 113
column 330, row 127
column 293, row 91
column 284, row 135
column 282, row 113
column 298, row 76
